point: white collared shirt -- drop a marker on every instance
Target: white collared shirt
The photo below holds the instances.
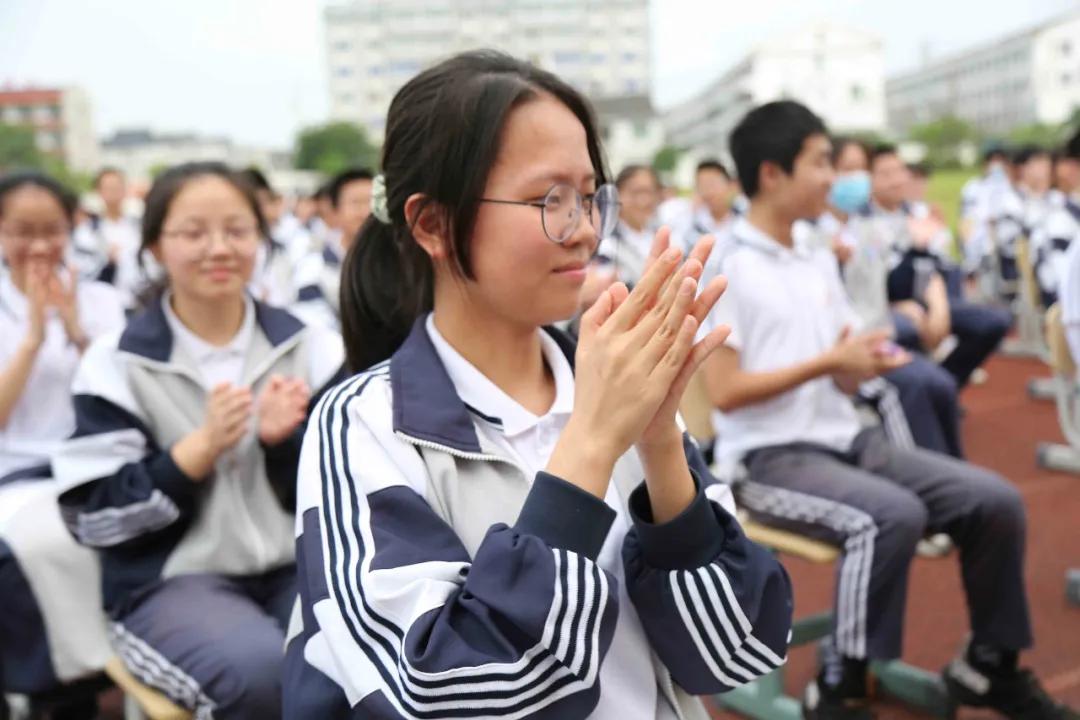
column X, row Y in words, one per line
column 627, row 680
column 43, row 416
column 785, row 306
column 628, row 249
column 216, row 364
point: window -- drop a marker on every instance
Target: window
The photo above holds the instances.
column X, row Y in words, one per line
column 1066, row 48
column 342, row 46
column 345, row 98
column 1066, row 78
column 857, row 93
column 641, row 129
column 342, row 72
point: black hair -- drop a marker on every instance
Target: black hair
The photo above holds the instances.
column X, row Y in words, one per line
column 1071, row 149
column 254, row 177
column 31, row 178
column 442, row 139
column 995, row 151
column 338, row 183
column 920, row 169
column 631, row 170
column 1029, row 152
column 168, row 185
column 713, row 164
column 773, row 132
column 105, row 171
column 882, row 150
column 843, row 142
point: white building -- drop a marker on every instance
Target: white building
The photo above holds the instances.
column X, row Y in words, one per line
column 631, row 130
column 837, row 71
column 61, row 118
column 374, row 46
column 1028, row 77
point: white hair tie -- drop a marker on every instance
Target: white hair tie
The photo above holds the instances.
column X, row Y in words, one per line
column 378, row 199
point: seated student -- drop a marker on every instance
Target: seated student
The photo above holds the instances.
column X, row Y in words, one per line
column 627, row 248
column 927, row 392
column 106, row 246
column 1052, row 238
column 182, row 467
column 714, row 191
column 991, row 216
column 476, row 538
column 923, row 284
column 318, row 274
column 272, row 277
column 781, row 382
column 52, row 629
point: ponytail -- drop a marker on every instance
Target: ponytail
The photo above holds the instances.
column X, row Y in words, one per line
column 386, row 283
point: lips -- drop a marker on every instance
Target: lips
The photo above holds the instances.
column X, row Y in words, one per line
column 577, row 266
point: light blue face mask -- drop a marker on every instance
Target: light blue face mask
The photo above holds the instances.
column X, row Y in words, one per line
column 850, row 192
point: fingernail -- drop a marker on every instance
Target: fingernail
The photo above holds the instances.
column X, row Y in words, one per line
column 671, row 254
column 687, row 286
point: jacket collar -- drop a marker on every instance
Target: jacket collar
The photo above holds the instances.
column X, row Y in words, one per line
column 148, row 333
column 426, row 404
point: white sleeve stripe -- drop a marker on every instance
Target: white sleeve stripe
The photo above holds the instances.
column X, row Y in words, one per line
column 112, row 526
column 759, row 646
column 752, row 665
column 339, row 514
column 703, row 650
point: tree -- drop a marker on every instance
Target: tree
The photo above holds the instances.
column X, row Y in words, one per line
column 1042, row 134
column 666, row 159
column 334, row 147
column 944, row 138
column 17, row 147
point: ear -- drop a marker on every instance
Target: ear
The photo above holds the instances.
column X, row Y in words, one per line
column 429, row 226
column 769, row 175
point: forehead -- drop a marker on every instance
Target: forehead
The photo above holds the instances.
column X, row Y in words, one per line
column 817, row 145
column 209, row 194
column 356, row 187
column 30, row 202
column 544, row 134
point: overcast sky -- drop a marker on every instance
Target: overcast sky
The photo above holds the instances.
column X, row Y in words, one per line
column 254, row 70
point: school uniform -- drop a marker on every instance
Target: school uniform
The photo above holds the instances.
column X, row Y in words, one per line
column 198, row 576
column 52, row 628
column 812, row 468
column 1050, row 242
column 131, row 273
column 272, row 277
column 627, row 251
column 317, row 284
column 443, row 573
column 978, row 329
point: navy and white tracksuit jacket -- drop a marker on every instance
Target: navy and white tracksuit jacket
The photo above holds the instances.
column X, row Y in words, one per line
column 438, row 581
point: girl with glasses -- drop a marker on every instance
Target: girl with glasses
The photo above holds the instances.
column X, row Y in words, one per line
column 52, row 630
column 494, row 523
column 182, row 468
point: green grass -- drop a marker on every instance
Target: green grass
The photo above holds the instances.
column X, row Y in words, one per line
column 944, row 191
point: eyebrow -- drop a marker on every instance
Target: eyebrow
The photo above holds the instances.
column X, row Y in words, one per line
column 560, row 177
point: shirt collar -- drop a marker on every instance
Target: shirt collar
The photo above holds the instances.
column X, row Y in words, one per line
column 749, row 235
column 488, row 400
column 202, row 351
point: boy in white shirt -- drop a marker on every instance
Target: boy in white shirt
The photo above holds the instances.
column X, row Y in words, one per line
column 781, row 382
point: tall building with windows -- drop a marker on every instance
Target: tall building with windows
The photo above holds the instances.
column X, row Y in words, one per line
column 836, row 71
column 1027, row 77
column 60, row 118
column 374, row 46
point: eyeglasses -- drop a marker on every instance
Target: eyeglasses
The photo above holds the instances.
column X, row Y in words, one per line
column 24, row 235
column 236, row 237
column 563, row 207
